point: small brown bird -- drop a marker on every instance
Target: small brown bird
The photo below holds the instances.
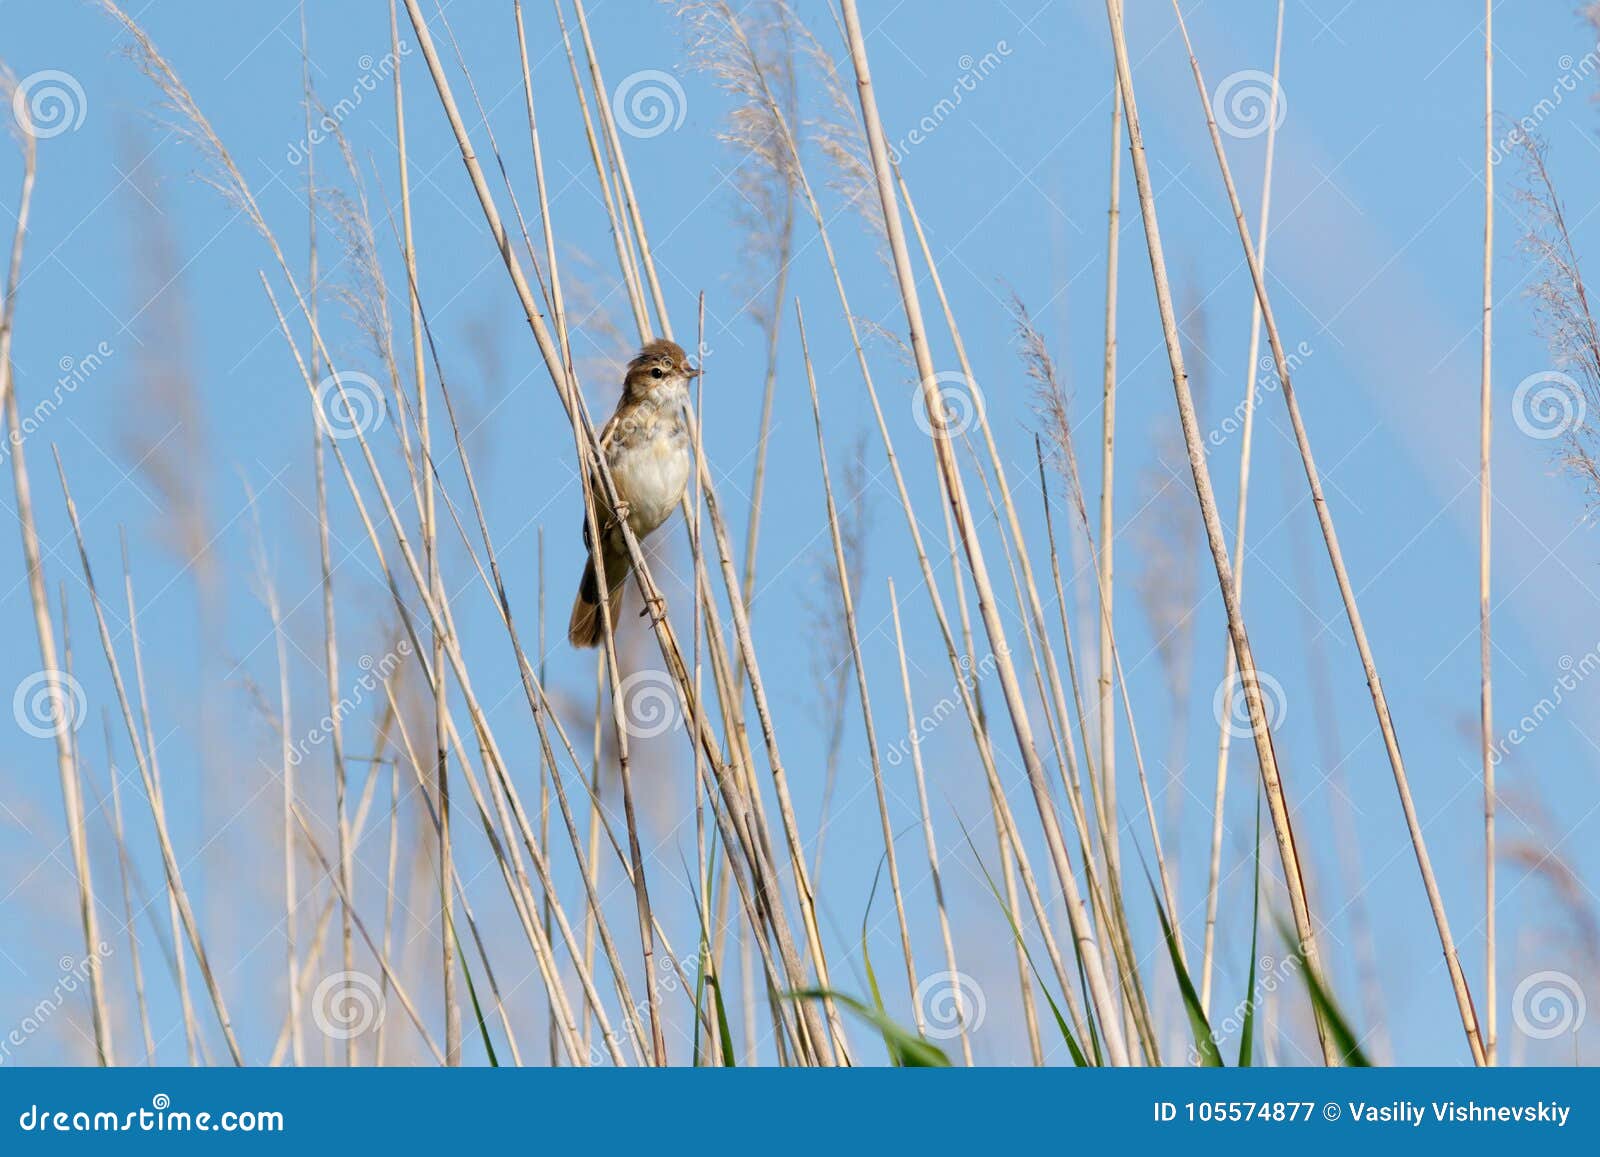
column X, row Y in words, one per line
column 646, row 444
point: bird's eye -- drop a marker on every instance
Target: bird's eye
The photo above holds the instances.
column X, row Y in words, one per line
column 656, row 372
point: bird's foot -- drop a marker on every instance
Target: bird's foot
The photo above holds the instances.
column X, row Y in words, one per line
column 655, row 607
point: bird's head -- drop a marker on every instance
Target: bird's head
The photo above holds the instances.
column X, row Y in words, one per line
column 661, row 365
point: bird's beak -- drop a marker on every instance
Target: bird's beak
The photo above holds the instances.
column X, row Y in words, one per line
column 695, row 371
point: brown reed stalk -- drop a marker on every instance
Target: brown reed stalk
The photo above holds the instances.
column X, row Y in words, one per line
column 129, row 913
column 422, row 786
column 633, row 223
column 1246, row 443
column 286, row 769
column 192, row 1039
column 847, row 603
column 1005, row 822
column 152, row 789
column 399, row 989
column 1065, row 754
column 1485, row 504
column 593, row 466
column 514, row 873
column 1380, row 703
column 1106, row 710
column 619, row 236
column 927, row 823
column 1094, row 967
column 452, row 1008
column 746, row 653
column 538, row 702
column 1277, row 804
column 60, row 696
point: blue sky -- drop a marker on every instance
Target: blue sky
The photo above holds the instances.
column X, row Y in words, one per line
column 1374, row 270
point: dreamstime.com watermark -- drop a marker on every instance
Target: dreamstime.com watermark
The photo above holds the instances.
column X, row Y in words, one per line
column 159, row 1117
column 930, row 720
column 74, row 372
column 1573, row 673
column 1267, row 382
column 1566, row 83
column 666, row 982
column 974, row 71
column 74, row 976
column 1270, row 973
column 373, row 75
column 1548, row 1004
column 374, row 674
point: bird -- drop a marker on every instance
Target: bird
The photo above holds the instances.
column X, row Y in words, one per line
column 646, row 445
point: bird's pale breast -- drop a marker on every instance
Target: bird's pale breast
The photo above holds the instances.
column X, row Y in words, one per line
column 650, row 462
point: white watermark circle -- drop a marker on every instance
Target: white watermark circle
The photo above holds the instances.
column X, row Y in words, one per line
column 48, row 698
column 350, row 402
column 1548, row 1004
column 1231, row 706
column 347, row 1004
column 49, row 103
column 958, row 402
column 1242, row 103
column 1547, row 404
column 648, row 103
column 649, row 704
column 950, row 1003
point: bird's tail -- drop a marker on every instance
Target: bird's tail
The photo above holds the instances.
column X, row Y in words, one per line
column 586, row 628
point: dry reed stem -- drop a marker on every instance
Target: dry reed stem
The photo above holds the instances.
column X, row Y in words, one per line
column 927, row 821
column 629, row 201
column 635, row 222
column 1106, row 711
column 1008, row 874
column 169, row 858
column 1093, row 964
column 1136, row 1006
column 60, row 698
column 1013, row 522
column 1485, row 503
column 191, row 1030
column 516, row 876
column 1458, row 982
column 313, row 955
column 619, row 238
column 129, row 914
column 558, row 303
column 269, row 591
column 593, row 466
column 1246, row 442
column 847, row 603
column 1004, row 819
column 383, row 963
column 533, row 685
column 1278, row 805
column 452, row 1010
column 460, row 887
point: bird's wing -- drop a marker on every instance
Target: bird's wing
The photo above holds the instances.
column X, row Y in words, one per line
column 608, row 434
